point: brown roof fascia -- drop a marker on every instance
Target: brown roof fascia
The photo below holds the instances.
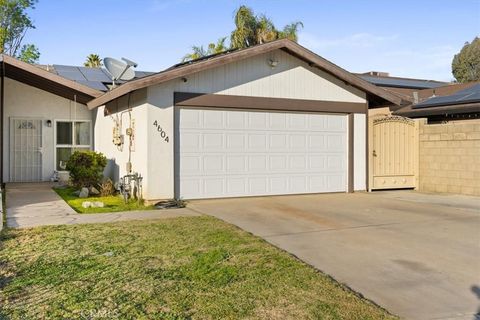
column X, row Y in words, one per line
column 219, row 60
column 42, row 79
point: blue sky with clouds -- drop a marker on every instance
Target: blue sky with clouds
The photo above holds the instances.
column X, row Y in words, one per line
column 404, row 37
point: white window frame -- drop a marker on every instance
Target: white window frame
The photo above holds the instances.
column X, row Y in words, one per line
column 73, row 145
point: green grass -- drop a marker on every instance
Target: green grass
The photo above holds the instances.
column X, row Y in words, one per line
column 112, row 203
column 182, row 268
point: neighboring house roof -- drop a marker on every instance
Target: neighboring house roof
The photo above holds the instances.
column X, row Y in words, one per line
column 449, row 100
column 397, row 82
column 402, row 87
column 291, row 47
column 45, row 80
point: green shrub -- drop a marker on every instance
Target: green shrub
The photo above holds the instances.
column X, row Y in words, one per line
column 86, row 168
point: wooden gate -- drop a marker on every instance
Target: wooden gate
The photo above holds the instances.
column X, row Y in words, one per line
column 393, row 152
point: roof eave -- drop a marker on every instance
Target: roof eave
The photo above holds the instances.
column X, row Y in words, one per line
column 46, row 80
column 438, row 110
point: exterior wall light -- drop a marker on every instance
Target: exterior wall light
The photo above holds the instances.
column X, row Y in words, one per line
column 272, row 63
column 49, row 123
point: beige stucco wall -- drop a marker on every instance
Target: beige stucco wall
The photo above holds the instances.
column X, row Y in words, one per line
column 103, row 135
column 292, row 78
column 450, row 157
column 28, row 102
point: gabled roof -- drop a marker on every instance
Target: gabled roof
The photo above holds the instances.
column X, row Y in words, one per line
column 291, row 47
column 45, row 80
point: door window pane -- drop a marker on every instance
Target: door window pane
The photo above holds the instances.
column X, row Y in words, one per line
column 63, row 154
column 82, row 133
column 64, row 133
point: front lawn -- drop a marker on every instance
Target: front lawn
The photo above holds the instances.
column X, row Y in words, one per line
column 112, row 203
column 182, row 268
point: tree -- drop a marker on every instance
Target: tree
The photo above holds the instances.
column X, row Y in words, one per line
column 93, row 61
column 29, row 53
column 250, row 30
column 466, row 63
column 14, row 24
column 212, row 48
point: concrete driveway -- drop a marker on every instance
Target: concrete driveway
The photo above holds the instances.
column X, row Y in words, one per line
column 416, row 255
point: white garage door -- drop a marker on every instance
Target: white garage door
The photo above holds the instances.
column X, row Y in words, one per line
column 222, row 153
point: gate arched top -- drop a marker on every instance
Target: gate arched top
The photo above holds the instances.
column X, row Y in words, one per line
column 400, row 119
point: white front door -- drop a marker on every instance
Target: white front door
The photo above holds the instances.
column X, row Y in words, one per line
column 222, row 153
column 25, row 150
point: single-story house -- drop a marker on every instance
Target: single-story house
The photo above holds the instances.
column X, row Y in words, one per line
column 270, row 119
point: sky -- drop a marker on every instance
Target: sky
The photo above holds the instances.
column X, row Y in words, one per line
column 416, row 39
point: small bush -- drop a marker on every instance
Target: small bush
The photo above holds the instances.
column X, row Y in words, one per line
column 86, row 168
column 107, row 188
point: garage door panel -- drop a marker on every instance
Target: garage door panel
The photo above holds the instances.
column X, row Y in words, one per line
column 335, row 124
column 316, row 142
column 213, row 119
column 235, row 142
column 298, row 142
column 278, row 185
column 214, row 186
column 236, row 164
column 212, row 141
column 297, row 162
column 191, row 164
column 257, row 120
column 277, row 121
column 316, row 122
column 257, row 142
column 213, row 164
column 236, row 120
column 297, row 121
column 277, row 141
column 257, row 163
column 259, row 153
column 336, row 142
column 298, row 184
column 318, row 182
column 236, row 186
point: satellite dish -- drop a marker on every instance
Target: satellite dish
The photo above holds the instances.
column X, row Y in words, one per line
column 120, row 70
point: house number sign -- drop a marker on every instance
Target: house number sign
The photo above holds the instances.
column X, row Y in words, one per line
column 163, row 134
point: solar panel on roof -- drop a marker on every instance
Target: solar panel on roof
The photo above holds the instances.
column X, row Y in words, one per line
column 94, row 74
column 94, row 85
column 72, row 74
column 402, row 83
column 468, row 95
column 96, row 78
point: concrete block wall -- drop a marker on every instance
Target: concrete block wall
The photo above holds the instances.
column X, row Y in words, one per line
column 450, row 157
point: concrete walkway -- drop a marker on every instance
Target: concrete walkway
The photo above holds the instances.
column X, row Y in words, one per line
column 36, row 204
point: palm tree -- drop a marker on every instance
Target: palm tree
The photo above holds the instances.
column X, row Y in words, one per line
column 93, row 61
column 200, row 52
column 251, row 29
column 290, row 31
column 245, row 24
